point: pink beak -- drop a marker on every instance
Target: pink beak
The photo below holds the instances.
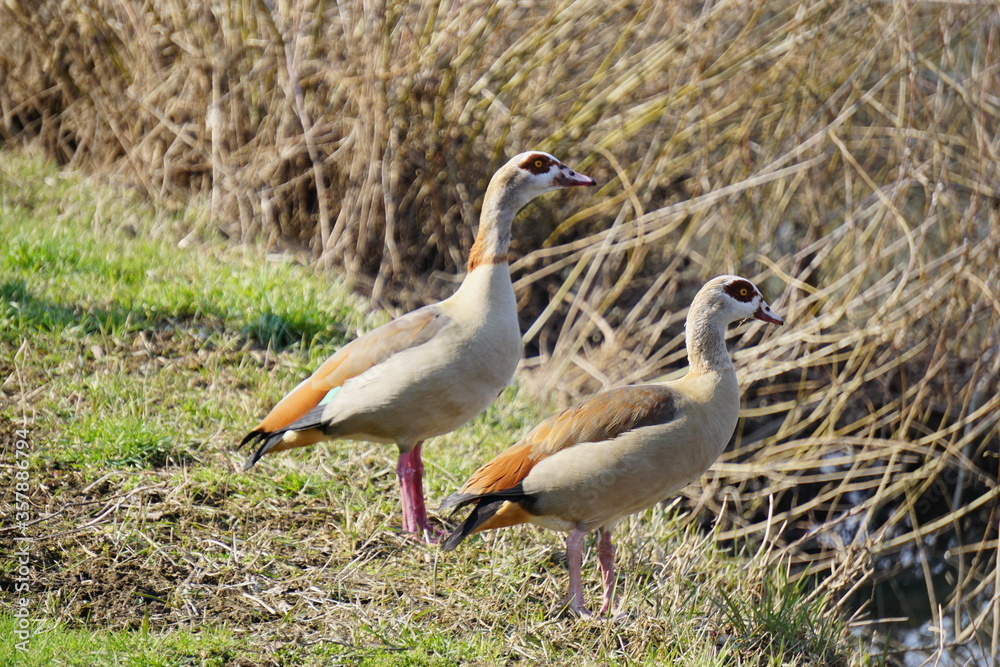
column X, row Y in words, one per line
column 568, row 178
column 765, row 314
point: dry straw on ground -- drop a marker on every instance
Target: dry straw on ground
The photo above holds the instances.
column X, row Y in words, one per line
column 843, row 154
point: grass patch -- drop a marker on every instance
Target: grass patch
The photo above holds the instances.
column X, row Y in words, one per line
column 58, row 646
column 99, row 266
column 111, row 321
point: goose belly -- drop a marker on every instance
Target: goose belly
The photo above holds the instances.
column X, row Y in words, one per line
column 594, row 484
column 425, row 392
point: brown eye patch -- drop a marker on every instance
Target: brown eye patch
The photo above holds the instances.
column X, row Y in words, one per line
column 741, row 290
column 537, row 163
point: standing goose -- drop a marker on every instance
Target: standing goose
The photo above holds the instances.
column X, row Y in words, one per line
column 622, row 450
column 432, row 370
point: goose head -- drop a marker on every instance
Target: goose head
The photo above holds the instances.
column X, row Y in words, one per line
column 729, row 299
column 528, row 175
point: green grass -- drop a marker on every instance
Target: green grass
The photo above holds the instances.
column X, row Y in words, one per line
column 102, row 281
column 92, row 308
column 136, row 365
column 59, row 645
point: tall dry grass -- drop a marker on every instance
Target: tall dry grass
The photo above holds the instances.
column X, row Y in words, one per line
column 843, row 154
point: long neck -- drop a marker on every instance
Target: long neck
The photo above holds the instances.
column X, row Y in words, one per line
column 706, row 342
column 500, row 205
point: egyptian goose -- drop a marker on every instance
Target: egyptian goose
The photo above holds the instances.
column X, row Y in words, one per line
column 622, row 450
column 432, row 370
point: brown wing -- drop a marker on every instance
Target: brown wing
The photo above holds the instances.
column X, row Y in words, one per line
column 602, row 417
column 353, row 359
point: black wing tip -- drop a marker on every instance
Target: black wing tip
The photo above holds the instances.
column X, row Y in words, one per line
column 487, row 504
column 455, row 502
column 454, row 539
column 265, row 439
column 250, row 437
column 465, row 528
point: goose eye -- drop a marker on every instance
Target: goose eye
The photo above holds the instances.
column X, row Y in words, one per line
column 539, row 164
column 744, row 291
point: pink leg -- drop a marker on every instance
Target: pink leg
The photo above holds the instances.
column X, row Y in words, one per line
column 606, row 555
column 574, row 558
column 410, row 470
